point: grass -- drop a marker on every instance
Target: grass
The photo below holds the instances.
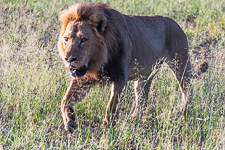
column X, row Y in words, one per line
column 33, row 81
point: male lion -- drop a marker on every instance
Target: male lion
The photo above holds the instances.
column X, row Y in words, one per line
column 98, row 44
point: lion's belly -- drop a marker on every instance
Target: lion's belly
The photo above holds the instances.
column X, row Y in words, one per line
column 140, row 70
column 141, row 66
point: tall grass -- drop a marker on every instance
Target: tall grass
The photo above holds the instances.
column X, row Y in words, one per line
column 33, row 81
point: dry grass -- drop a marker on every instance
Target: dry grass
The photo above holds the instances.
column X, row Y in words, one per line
column 33, row 81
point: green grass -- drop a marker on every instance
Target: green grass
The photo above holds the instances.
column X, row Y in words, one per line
column 33, row 81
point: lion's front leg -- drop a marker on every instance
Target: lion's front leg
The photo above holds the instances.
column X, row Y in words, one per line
column 116, row 90
column 77, row 90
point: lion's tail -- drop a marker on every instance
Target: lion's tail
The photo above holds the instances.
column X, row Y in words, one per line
column 203, row 67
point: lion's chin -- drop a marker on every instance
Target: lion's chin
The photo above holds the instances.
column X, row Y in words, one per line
column 78, row 72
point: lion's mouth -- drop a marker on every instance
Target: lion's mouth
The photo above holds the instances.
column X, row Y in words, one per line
column 78, row 72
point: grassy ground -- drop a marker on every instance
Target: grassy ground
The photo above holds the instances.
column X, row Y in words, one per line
column 33, row 81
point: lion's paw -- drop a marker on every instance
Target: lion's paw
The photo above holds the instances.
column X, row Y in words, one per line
column 70, row 120
column 106, row 123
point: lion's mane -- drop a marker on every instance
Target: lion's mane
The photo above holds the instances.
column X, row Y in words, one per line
column 109, row 46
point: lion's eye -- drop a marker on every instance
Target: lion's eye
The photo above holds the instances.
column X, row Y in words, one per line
column 83, row 40
column 66, row 39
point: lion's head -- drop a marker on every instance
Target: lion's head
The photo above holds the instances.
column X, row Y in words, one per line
column 81, row 42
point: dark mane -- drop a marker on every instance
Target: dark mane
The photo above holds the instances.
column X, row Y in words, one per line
column 112, row 35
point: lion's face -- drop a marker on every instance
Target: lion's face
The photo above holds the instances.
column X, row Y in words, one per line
column 80, row 45
column 77, row 41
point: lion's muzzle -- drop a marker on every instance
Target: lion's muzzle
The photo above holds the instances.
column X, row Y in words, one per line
column 75, row 72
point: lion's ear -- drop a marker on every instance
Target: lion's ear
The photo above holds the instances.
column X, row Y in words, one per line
column 99, row 22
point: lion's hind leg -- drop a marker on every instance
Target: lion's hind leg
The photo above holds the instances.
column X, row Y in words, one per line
column 181, row 68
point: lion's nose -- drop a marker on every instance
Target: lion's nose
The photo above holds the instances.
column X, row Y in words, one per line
column 70, row 59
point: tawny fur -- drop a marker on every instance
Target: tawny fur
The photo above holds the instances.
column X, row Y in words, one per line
column 119, row 48
column 84, row 11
